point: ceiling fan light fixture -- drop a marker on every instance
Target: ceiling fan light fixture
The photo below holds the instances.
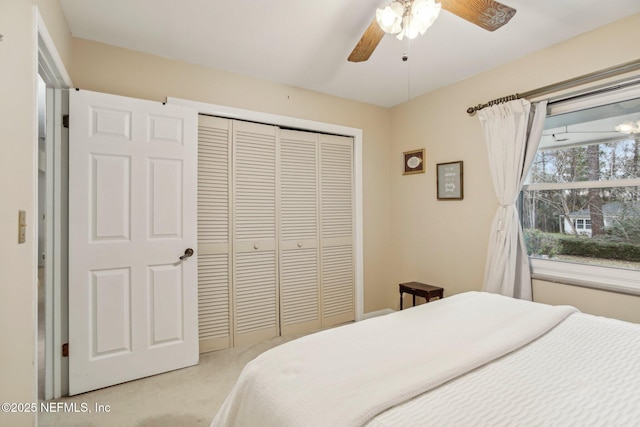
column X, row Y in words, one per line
column 425, row 12
column 390, row 18
column 410, row 29
column 408, row 18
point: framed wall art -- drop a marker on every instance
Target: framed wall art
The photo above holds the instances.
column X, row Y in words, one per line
column 414, row 162
column 449, row 181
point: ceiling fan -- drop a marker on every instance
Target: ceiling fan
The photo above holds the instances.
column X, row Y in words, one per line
column 408, row 18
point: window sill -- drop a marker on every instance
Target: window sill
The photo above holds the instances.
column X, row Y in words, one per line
column 618, row 280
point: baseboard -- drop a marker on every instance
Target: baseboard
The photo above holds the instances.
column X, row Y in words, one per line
column 377, row 313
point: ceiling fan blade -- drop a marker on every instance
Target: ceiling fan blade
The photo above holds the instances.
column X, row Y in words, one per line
column 367, row 43
column 487, row 14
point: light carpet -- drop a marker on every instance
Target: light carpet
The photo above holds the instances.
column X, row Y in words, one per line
column 186, row 397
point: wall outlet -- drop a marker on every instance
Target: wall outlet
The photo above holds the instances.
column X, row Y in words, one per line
column 22, row 226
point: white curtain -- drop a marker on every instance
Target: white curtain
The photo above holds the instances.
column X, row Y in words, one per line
column 512, row 131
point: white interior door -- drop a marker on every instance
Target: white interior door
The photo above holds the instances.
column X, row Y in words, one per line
column 132, row 215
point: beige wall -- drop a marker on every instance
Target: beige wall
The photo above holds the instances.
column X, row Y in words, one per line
column 18, row 139
column 592, row 301
column 444, row 242
column 104, row 68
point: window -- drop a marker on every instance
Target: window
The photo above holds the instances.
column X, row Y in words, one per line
column 582, row 225
column 581, row 203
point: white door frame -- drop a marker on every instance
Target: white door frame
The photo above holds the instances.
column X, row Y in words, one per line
column 52, row 70
column 310, row 125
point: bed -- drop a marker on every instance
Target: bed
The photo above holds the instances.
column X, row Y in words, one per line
column 470, row 359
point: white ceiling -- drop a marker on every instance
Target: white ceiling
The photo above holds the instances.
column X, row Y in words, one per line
column 306, row 43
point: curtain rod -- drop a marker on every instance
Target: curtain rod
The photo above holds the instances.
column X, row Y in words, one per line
column 566, row 84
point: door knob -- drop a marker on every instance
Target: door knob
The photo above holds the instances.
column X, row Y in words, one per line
column 187, row 253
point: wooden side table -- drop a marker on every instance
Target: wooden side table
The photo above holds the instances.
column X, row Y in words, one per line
column 420, row 289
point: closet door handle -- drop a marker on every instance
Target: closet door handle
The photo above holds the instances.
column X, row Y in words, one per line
column 187, row 253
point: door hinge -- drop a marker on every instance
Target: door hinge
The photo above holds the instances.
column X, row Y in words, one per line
column 65, row 120
column 65, row 349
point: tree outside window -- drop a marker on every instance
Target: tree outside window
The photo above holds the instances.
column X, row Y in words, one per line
column 582, row 198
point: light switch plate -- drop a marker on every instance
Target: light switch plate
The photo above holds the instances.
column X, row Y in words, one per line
column 22, row 226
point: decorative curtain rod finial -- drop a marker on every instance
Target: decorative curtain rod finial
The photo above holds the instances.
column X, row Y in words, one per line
column 473, row 110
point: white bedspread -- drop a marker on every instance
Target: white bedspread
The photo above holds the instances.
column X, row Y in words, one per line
column 584, row 372
column 346, row 376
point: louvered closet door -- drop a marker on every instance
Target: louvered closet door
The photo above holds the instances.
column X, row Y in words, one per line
column 299, row 257
column 255, row 213
column 214, row 261
column 337, row 230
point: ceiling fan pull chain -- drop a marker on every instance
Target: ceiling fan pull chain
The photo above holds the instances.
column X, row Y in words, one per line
column 405, row 58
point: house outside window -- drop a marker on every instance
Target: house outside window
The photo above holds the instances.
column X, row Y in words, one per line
column 580, row 208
